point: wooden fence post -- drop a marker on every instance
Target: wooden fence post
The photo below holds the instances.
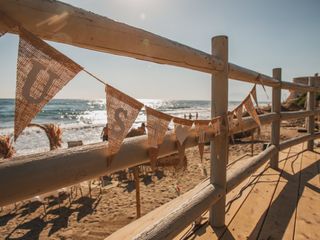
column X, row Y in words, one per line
column 275, row 126
column 219, row 146
column 137, row 185
column 311, row 98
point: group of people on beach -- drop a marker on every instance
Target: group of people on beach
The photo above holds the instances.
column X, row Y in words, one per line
column 191, row 116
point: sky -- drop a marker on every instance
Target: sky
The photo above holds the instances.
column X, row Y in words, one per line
column 262, row 35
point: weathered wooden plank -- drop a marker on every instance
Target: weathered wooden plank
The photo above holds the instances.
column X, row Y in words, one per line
column 308, row 209
column 280, row 219
column 240, row 173
column 234, row 200
column 248, row 220
column 60, row 22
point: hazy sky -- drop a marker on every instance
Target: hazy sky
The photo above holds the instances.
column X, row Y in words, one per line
column 262, row 35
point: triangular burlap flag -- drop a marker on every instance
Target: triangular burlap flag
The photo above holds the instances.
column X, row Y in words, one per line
column 232, row 124
column 182, row 127
column 238, row 111
column 251, row 110
column 157, row 125
column 122, row 111
column 42, row 72
column 254, row 94
column 216, row 125
column 201, row 127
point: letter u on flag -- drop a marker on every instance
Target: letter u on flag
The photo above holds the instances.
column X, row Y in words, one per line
column 122, row 111
column 42, row 72
column 157, row 125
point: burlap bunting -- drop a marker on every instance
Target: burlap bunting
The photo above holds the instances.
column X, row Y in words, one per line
column 182, row 127
column 239, row 111
column 216, row 125
column 232, row 124
column 202, row 126
column 42, row 72
column 122, row 111
column 157, row 126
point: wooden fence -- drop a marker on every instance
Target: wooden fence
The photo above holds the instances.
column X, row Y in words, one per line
column 27, row 176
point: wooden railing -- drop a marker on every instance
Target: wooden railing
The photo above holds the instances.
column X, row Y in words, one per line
column 26, row 176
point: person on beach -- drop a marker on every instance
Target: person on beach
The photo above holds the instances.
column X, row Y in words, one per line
column 142, row 128
column 190, row 116
column 104, row 133
column 185, row 116
column 197, row 115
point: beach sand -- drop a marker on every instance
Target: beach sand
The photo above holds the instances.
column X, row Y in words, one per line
column 113, row 206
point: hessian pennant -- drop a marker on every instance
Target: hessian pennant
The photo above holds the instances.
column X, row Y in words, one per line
column 157, row 126
column 201, row 127
column 122, row 111
column 42, row 72
column 181, row 127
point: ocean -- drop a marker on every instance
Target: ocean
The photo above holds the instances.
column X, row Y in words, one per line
column 84, row 119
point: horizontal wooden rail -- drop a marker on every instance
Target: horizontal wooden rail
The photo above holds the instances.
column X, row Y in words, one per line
column 246, row 75
column 298, row 87
column 168, row 220
column 27, row 176
column 171, row 218
column 297, row 140
column 298, row 114
column 295, row 114
column 241, row 173
column 60, row 22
